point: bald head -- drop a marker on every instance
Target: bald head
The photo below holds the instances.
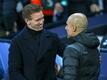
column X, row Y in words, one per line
column 76, row 23
column 79, row 20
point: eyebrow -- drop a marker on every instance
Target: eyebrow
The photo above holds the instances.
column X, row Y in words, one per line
column 40, row 18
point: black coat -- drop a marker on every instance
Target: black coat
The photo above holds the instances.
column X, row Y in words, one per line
column 24, row 61
column 81, row 58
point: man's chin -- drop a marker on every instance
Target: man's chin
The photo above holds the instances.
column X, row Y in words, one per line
column 41, row 28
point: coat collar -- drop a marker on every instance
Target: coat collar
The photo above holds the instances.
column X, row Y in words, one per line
column 28, row 35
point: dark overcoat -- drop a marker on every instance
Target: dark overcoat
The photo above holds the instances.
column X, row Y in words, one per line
column 24, row 61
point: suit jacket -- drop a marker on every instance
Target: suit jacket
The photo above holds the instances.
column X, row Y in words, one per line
column 24, row 61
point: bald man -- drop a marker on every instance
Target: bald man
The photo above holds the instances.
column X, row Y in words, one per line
column 81, row 56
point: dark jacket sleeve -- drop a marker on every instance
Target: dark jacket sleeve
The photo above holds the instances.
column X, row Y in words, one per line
column 60, row 46
column 15, row 62
column 71, row 63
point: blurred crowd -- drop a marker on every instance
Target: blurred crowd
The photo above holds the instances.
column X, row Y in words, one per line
column 55, row 11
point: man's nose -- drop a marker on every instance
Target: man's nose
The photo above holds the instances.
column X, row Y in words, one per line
column 42, row 21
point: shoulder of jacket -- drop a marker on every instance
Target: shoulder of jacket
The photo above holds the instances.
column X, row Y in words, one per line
column 79, row 47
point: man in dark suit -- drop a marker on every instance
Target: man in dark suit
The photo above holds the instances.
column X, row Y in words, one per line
column 32, row 52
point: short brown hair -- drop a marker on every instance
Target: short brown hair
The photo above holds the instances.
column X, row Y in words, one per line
column 29, row 9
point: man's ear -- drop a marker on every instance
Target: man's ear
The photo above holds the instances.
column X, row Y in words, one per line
column 26, row 20
column 74, row 28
